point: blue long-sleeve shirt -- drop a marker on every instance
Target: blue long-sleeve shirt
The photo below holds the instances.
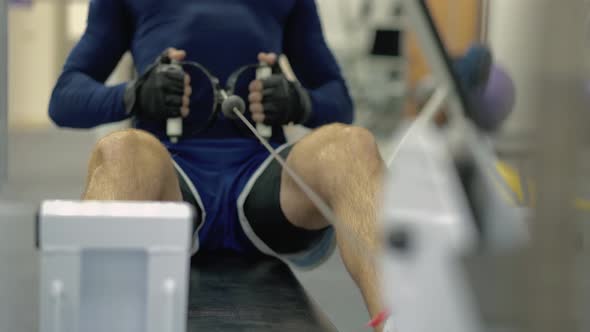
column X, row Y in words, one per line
column 221, row 35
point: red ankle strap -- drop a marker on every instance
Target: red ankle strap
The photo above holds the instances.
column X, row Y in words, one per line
column 379, row 319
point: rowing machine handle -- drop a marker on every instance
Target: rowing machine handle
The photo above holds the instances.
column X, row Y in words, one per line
column 174, row 127
column 264, row 71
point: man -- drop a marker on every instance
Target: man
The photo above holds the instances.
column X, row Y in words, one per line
column 245, row 202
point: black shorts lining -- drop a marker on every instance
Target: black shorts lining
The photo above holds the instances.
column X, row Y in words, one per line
column 263, row 211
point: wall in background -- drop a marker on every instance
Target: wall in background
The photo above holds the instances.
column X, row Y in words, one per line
column 33, row 58
column 41, row 36
column 515, row 30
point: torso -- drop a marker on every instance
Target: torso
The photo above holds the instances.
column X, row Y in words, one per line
column 222, row 35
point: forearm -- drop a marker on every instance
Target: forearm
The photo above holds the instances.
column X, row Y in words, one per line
column 78, row 101
column 330, row 103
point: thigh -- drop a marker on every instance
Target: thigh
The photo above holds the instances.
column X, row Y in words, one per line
column 305, row 158
column 264, row 210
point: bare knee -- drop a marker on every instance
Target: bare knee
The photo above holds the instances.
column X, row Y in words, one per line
column 136, row 163
column 129, row 147
column 331, row 159
column 340, row 146
column 357, row 140
column 126, row 141
column 135, row 153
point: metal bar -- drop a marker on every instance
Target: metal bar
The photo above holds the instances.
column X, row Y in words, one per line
column 437, row 55
column 435, row 51
column 484, row 14
column 3, row 92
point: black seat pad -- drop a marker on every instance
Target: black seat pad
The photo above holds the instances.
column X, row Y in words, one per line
column 231, row 293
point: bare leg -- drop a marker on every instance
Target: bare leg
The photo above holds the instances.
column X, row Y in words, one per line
column 343, row 165
column 131, row 165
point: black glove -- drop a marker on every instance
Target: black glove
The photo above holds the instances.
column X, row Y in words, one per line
column 157, row 94
column 284, row 101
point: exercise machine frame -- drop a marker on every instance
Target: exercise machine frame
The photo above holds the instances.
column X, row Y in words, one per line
column 433, row 218
column 114, row 266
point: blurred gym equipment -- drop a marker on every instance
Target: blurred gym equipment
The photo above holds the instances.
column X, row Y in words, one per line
column 458, row 252
column 441, row 204
column 492, row 102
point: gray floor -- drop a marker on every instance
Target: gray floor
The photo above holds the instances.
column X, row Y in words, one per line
column 51, row 164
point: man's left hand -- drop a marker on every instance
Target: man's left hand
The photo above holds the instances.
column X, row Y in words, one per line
column 276, row 100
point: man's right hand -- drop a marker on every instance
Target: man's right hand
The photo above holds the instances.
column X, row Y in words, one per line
column 162, row 92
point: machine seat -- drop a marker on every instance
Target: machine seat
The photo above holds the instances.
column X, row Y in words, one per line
column 233, row 293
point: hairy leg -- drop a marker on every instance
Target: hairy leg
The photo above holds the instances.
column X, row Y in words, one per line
column 343, row 165
column 131, row 165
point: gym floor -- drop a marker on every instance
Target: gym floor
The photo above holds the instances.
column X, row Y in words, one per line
column 51, row 164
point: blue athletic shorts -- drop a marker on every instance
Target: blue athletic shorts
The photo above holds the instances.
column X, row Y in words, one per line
column 234, row 185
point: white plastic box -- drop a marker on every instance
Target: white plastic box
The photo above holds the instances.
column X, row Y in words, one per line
column 117, row 267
